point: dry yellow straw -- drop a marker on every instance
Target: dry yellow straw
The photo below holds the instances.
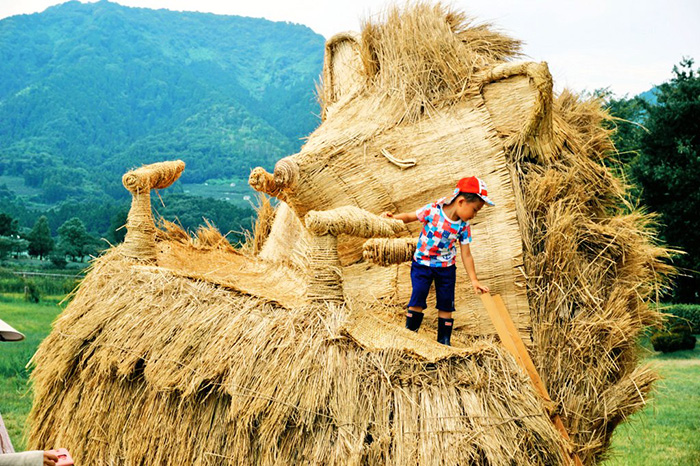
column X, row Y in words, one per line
column 139, row 242
column 155, row 176
column 387, row 251
column 264, row 182
column 326, row 277
column 325, row 282
column 353, row 221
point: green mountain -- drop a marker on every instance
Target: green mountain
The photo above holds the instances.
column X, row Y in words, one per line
column 88, row 91
column 650, row 95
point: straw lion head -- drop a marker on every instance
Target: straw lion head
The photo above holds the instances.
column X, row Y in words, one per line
column 406, row 106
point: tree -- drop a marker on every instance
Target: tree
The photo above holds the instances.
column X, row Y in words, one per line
column 12, row 245
column 667, row 170
column 58, row 258
column 8, row 225
column 74, row 238
column 628, row 118
column 6, row 246
column 40, row 241
column 117, row 228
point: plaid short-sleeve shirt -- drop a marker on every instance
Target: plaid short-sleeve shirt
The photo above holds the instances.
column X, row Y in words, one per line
column 437, row 243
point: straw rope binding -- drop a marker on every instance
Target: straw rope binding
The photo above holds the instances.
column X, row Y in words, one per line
column 353, row 221
column 139, row 242
column 326, row 277
column 326, row 280
column 383, row 251
column 155, row 176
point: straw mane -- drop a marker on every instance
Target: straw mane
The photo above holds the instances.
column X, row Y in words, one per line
column 183, row 350
column 427, row 56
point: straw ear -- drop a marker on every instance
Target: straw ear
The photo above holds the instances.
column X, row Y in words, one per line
column 342, row 69
column 519, row 98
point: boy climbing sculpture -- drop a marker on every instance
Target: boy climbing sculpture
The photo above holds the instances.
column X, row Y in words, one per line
column 445, row 222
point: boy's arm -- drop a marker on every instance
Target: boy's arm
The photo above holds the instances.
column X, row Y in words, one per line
column 468, row 262
column 406, row 217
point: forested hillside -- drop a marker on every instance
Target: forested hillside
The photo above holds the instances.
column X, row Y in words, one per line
column 90, row 90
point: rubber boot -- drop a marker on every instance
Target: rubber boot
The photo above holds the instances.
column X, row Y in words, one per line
column 413, row 320
column 444, row 330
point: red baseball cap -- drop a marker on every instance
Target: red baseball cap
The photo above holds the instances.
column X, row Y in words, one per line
column 472, row 185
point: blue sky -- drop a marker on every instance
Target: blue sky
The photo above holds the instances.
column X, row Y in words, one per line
column 627, row 46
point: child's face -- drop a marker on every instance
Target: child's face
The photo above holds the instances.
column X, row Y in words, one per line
column 467, row 210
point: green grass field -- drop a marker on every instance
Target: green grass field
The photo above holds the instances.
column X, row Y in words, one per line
column 34, row 320
column 239, row 194
column 667, row 431
column 664, row 433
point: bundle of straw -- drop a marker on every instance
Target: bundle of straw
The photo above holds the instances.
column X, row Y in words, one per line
column 155, row 176
column 168, row 370
column 592, row 265
column 352, row 221
column 385, row 252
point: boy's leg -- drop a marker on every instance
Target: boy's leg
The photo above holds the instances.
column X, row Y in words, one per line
column 445, row 296
column 421, row 279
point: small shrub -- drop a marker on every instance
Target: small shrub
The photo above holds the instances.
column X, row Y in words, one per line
column 68, row 285
column 675, row 336
column 59, row 260
column 31, row 292
column 688, row 312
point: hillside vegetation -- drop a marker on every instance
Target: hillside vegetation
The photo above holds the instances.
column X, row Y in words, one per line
column 88, row 91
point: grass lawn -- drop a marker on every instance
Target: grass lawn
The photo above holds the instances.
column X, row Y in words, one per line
column 34, row 321
column 666, row 432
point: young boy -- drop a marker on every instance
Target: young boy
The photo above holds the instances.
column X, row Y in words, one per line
column 445, row 222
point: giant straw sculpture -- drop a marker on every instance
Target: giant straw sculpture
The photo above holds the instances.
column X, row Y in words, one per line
column 292, row 351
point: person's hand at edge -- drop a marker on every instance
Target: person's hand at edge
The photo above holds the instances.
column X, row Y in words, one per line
column 50, row 459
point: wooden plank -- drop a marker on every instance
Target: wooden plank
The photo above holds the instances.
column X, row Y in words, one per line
column 510, row 338
column 501, row 329
column 524, row 357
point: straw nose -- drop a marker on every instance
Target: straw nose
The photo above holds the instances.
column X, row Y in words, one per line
column 285, row 177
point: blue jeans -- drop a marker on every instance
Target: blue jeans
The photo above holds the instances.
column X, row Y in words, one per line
column 423, row 276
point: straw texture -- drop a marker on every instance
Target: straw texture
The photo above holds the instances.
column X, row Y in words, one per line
column 139, row 242
column 155, row 176
column 419, row 102
column 389, row 251
column 592, row 266
column 202, row 375
column 351, row 221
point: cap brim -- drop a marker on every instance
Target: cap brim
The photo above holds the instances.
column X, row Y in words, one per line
column 486, row 199
column 8, row 333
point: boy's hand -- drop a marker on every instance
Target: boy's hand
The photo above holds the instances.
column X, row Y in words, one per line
column 405, row 217
column 479, row 288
